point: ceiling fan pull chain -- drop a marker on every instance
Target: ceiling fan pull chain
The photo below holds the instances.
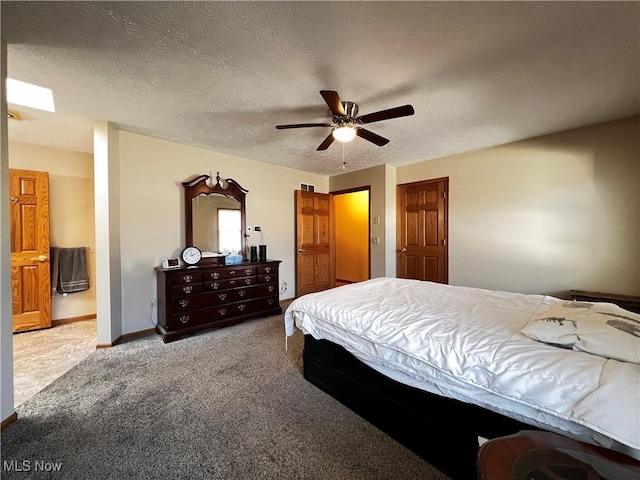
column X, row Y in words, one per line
column 344, row 165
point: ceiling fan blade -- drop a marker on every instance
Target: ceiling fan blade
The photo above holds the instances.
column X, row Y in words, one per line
column 334, row 102
column 303, row 125
column 326, row 142
column 396, row 112
column 372, row 137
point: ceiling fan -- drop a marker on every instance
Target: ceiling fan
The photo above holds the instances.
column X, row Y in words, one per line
column 346, row 122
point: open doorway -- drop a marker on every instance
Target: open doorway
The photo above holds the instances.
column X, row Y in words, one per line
column 352, row 232
column 53, row 329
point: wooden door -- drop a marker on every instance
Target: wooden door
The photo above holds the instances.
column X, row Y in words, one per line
column 422, row 230
column 30, row 276
column 315, row 257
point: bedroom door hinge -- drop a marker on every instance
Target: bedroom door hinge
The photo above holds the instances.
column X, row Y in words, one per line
column 444, row 242
column 444, row 194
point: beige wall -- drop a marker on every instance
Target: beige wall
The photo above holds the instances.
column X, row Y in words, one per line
column 71, row 212
column 106, row 168
column 378, row 179
column 545, row 215
column 152, row 212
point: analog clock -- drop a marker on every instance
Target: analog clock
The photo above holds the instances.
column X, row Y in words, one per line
column 191, row 255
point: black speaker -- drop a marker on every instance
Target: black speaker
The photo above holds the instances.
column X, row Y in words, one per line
column 254, row 253
column 262, row 255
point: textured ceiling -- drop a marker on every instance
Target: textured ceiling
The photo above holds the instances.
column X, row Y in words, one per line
column 221, row 75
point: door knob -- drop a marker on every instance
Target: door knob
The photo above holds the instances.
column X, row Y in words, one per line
column 300, row 250
column 39, row 258
column 403, row 250
column 13, row 199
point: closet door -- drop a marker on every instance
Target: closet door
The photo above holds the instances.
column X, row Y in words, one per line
column 422, row 230
column 30, row 275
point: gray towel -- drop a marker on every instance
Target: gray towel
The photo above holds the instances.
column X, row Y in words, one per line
column 54, row 263
column 72, row 270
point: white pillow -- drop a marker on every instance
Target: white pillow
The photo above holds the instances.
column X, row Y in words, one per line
column 602, row 329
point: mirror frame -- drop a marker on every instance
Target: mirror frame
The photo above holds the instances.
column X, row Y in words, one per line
column 200, row 186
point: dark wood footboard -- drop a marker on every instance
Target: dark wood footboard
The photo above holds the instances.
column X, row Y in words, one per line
column 443, row 431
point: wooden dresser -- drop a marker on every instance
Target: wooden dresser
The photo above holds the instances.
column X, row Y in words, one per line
column 194, row 298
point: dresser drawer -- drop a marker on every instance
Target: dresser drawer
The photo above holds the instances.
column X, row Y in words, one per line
column 186, row 289
column 260, row 290
column 198, row 317
column 230, row 283
column 268, row 268
column 256, row 305
column 229, row 272
column 244, row 293
column 203, row 300
column 183, row 320
column 266, row 290
column 267, row 278
column 186, row 277
column 240, row 271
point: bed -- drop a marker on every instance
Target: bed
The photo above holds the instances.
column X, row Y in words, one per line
column 439, row 367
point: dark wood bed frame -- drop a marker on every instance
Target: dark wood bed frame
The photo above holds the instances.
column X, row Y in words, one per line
column 441, row 430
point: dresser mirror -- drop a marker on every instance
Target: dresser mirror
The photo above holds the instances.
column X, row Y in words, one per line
column 215, row 215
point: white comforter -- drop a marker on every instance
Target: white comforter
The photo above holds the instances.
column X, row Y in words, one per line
column 465, row 343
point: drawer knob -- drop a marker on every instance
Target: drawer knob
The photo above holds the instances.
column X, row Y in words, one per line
column 222, row 296
column 267, row 269
column 232, row 282
column 267, row 278
column 187, row 289
column 184, row 302
column 271, row 288
column 232, row 272
column 187, row 278
column 242, row 292
column 215, row 285
column 241, row 307
column 270, row 301
column 184, row 318
column 215, row 275
column 222, row 311
column 248, row 271
column 248, row 281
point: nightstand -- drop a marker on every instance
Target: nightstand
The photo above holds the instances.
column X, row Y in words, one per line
column 628, row 302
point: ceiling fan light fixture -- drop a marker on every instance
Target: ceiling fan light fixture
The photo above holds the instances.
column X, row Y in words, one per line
column 347, row 125
column 345, row 133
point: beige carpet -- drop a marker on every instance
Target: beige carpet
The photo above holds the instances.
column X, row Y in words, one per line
column 228, row 404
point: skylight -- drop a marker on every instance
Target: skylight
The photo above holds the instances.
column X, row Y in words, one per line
column 29, row 95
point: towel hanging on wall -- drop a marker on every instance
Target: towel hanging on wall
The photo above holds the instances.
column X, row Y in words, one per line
column 69, row 272
column 54, row 256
